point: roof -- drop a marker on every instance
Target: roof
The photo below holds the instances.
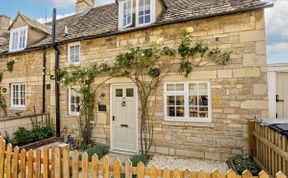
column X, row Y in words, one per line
column 103, row 21
column 32, row 23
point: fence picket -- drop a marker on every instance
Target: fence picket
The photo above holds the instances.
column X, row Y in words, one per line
column 280, row 175
column 246, row 174
column 128, row 169
column 2, row 157
column 85, row 165
column 153, row 171
column 30, row 163
column 216, row 174
column 15, row 162
column 66, row 166
column 8, row 160
column 53, row 161
column 75, row 164
column 176, row 173
column 231, row 174
column 38, row 164
column 263, row 174
column 23, row 163
column 45, row 162
column 201, row 174
column 95, row 166
column 141, row 170
column 105, row 161
column 57, row 162
column 117, row 168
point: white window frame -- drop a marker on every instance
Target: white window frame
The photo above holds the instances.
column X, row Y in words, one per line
column 72, row 113
column 186, row 117
column 19, row 105
column 121, row 14
column 18, row 31
column 152, row 13
column 69, row 49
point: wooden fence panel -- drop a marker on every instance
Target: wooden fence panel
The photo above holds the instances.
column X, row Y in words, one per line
column 8, row 160
column 2, row 157
column 95, row 166
column 85, row 169
column 15, row 162
column 23, row 163
column 75, row 164
column 45, row 163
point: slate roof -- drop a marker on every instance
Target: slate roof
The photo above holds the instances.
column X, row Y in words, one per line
column 103, row 20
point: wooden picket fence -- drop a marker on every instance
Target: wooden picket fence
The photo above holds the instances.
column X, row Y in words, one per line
column 58, row 163
column 271, row 149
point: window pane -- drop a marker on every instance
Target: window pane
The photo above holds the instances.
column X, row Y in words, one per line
column 147, row 19
column 179, row 87
column 171, row 100
column 170, row 87
column 171, row 111
column 193, row 112
column 193, row 101
column 203, row 100
column 203, row 112
column 180, row 100
column 193, row 89
column 180, row 111
column 129, row 92
column 119, row 93
column 202, row 89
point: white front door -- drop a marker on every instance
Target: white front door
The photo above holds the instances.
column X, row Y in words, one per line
column 124, row 118
column 282, row 95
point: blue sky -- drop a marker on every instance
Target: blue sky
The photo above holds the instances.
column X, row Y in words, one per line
column 276, row 20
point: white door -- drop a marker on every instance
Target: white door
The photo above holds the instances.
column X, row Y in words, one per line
column 282, row 95
column 124, row 118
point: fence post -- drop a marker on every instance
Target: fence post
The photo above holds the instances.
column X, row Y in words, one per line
column 95, row 166
column 251, row 138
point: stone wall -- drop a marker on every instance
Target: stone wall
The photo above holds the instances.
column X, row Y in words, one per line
column 239, row 90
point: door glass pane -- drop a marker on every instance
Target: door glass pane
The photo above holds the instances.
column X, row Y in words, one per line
column 119, row 93
column 129, row 92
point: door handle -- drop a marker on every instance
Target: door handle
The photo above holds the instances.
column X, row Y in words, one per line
column 278, row 100
column 113, row 118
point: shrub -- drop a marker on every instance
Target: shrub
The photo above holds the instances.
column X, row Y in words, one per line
column 100, row 150
column 23, row 136
column 244, row 162
column 41, row 133
column 135, row 159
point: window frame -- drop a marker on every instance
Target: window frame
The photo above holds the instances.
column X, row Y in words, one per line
column 186, row 117
column 69, row 55
column 121, row 14
column 18, row 30
column 152, row 13
column 19, row 95
column 70, row 112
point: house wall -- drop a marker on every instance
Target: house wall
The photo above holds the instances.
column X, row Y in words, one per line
column 239, row 90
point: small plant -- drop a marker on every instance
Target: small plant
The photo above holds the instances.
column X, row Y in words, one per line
column 244, row 162
column 41, row 133
column 100, row 150
column 135, row 159
column 23, row 136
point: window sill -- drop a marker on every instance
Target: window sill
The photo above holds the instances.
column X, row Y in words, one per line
column 188, row 123
column 18, row 108
column 69, row 64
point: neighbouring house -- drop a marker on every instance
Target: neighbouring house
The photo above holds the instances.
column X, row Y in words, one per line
column 278, row 87
column 215, row 129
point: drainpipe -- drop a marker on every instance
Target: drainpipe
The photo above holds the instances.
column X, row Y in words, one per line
column 44, row 83
column 57, row 80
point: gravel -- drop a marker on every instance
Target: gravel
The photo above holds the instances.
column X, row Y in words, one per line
column 192, row 164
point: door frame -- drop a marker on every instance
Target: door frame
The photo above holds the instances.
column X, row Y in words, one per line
column 273, row 70
column 111, row 121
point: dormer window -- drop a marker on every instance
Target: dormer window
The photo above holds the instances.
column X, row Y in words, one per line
column 125, row 13
column 144, row 12
column 18, row 39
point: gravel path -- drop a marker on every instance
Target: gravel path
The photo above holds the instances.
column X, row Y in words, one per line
column 194, row 165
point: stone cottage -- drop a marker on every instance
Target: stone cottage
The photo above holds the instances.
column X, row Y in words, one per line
column 215, row 129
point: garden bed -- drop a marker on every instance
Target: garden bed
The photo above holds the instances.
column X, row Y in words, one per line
column 41, row 143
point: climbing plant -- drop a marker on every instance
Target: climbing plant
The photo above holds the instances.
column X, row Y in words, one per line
column 84, row 78
column 9, row 68
column 147, row 67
